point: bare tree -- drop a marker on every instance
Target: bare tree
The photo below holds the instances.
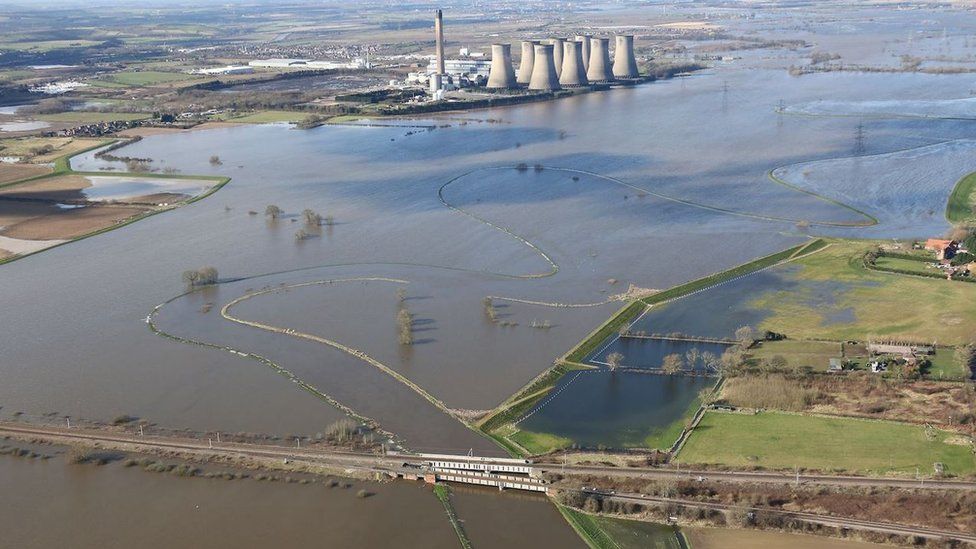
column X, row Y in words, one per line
column 746, row 336
column 613, row 361
column 272, row 211
column 672, row 364
column 710, row 360
column 778, row 362
column 693, row 356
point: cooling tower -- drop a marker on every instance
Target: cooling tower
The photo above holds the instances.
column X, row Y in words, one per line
column 624, row 62
column 599, row 69
column 573, row 73
column 502, row 74
column 543, row 69
column 525, row 63
column 584, row 40
column 439, row 40
column 557, row 54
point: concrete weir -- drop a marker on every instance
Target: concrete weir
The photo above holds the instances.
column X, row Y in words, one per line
column 573, row 73
column 557, row 54
column 624, row 62
column 526, row 62
column 544, row 69
column 502, row 74
column 599, row 69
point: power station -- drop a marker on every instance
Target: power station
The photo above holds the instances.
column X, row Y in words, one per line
column 546, row 65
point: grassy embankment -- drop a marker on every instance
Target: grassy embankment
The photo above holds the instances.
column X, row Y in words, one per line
column 883, row 305
column 781, row 440
column 959, row 209
column 443, row 493
column 602, row 532
column 499, row 425
column 62, row 167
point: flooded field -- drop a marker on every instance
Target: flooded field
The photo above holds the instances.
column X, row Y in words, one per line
column 600, row 409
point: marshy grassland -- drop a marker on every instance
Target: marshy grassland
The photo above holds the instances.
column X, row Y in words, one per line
column 884, row 305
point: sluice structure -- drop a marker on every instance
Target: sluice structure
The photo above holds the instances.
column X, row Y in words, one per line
column 557, row 54
column 599, row 69
column 573, row 74
column 624, row 62
column 526, row 62
column 502, row 74
column 584, row 41
column 543, row 69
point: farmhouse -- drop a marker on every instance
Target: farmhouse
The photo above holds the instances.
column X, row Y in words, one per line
column 944, row 249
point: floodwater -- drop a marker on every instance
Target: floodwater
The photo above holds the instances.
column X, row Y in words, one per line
column 652, row 186
column 121, row 188
column 621, row 409
column 87, row 506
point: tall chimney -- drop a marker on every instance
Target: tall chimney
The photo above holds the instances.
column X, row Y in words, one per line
column 525, row 64
column 557, row 54
column 584, row 40
column 502, row 75
column 599, row 69
column 624, row 62
column 544, row 69
column 573, row 73
column 439, row 39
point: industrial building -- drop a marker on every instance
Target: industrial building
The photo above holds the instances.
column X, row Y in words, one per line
column 543, row 66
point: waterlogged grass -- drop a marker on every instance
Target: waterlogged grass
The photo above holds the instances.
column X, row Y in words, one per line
column 883, row 305
column 962, row 200
column 540, row 443
column 784, row 441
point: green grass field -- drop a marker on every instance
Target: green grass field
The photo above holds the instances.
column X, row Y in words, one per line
column 600, row 532
column 85, row 117
column 267, row 117
column 959, row 209
column 783, row 441
column 145, row 78
column 900, row 263
column 883, row 304
column 798, row 354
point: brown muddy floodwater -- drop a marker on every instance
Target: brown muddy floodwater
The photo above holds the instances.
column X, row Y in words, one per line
column 49, row 503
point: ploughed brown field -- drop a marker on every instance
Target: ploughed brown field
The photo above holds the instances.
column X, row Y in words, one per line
column 15, row 172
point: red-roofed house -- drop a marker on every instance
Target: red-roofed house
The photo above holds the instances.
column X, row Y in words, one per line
column 944, row 249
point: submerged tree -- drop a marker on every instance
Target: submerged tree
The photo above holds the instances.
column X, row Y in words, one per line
column 272, row 211
column 201, row 277
column 311, row 218
column 215, row 160
column 405, row 324
column 613, row 360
